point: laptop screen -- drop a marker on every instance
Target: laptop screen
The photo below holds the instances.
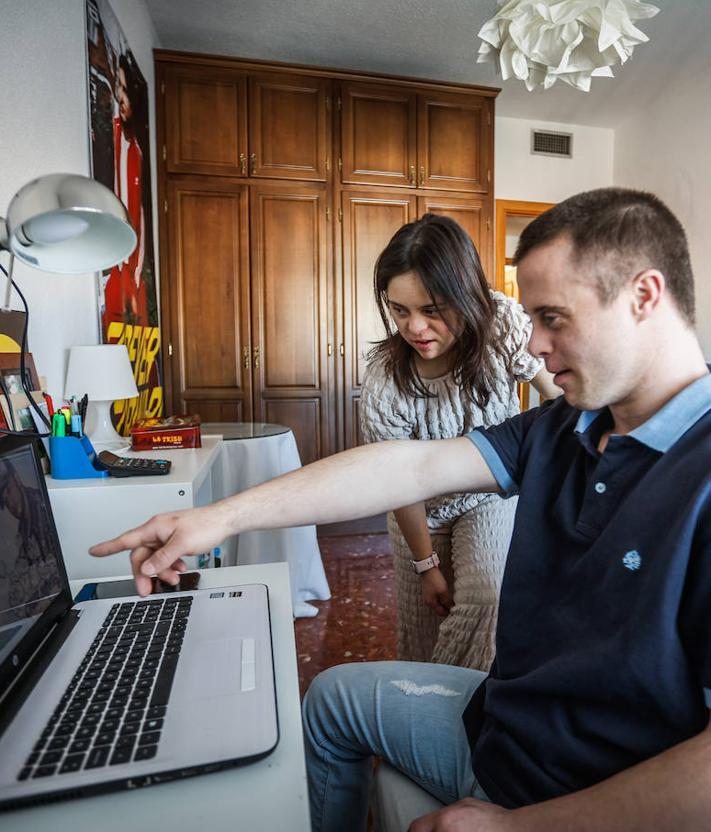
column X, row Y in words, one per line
column 32, row 576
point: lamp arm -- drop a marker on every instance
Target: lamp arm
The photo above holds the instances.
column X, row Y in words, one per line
column 10, row 283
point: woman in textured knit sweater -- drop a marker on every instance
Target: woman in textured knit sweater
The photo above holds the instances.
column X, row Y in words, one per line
column 450, row 364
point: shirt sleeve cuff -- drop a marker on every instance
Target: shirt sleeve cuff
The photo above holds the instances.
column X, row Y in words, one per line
column 707, row 697
column 506, row 485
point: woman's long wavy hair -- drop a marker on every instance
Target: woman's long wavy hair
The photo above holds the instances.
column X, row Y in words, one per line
column 442, row 254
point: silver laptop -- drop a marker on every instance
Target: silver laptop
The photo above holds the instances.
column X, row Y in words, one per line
column 124, row 692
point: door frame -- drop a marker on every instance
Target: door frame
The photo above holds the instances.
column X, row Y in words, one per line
column 505, row 208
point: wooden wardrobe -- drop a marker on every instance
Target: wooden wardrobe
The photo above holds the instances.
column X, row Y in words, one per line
column 279, row 186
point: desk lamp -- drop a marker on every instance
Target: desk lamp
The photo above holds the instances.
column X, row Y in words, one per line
column 103, row 372
column 67, row 224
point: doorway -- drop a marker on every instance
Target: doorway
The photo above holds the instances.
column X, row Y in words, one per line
column 512, row 216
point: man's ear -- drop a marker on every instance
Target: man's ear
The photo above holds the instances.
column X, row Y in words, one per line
column 648, row 288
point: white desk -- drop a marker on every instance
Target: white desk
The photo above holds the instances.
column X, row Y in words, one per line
column 267, row 796
column 87, row 511
column 253, row 453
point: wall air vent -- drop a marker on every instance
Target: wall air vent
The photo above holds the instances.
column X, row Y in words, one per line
column 547, row 143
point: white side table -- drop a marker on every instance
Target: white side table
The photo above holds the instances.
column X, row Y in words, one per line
column 87, row 511
column 252, row 453
column 265, row 796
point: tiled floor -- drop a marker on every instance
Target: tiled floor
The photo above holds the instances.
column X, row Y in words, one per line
column 358, row 623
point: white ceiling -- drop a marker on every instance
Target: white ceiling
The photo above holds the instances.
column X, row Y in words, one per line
column 434, row 39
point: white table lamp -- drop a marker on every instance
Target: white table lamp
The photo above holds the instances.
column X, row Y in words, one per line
column 102, row 372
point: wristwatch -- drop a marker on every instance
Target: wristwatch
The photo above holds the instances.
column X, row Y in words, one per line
column 426, row 564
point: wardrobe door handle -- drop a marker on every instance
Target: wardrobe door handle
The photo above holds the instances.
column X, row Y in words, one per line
column 252, row 164
column 243, row 164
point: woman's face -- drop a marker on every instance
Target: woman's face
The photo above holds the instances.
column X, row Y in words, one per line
column 428, row 328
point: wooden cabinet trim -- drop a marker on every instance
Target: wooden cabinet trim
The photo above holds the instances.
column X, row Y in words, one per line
column 198, row 59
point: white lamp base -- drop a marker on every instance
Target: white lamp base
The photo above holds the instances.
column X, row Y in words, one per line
column 100, row 429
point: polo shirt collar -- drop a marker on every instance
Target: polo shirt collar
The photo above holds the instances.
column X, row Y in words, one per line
column 669, row 423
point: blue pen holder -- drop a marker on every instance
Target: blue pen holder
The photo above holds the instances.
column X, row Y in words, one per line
column 73, row 458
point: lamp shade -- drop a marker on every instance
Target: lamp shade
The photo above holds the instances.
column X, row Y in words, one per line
column 102, row 372
column 67, row 223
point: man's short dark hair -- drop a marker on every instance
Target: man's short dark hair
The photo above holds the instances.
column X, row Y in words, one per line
column 625, row 232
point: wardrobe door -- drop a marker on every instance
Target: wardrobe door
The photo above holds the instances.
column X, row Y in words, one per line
column 370, row 218
column 289, row 127
column 207, row 280
column 454, row 141
column 378, row 134
column 290, row 267
column 473, row 215
column 206, row 121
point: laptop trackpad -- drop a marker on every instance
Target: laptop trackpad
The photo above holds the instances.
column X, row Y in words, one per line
column 215, row 669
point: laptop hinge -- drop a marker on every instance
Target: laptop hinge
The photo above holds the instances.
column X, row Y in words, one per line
column 23, row 684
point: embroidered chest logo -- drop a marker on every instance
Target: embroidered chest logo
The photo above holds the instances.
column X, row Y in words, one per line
column 632, row 560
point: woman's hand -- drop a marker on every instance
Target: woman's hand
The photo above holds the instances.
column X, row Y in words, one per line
column 435, row 592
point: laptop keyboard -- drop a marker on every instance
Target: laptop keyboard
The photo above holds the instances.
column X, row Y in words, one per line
column 113, row 709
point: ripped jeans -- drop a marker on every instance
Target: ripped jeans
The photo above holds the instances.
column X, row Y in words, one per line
column 409, row 713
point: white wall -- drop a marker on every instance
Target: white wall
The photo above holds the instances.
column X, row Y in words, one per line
column 666, row 150
column 521, row 175
column 44, row 129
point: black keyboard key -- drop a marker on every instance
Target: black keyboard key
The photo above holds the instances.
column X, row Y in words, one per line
column 72, row 763
column 126, row 741
column 145, row 752
column 85, row 732
column 25, row 773
column 121, row 755
column 64, row 728
column 97, row 757
column 128, row 728
column 44, row 771
column 51, row 757
column 104, row 738
column 164, row 681
column 58, row 743
column 79, row 745
column 32, row 759
column 149, row 738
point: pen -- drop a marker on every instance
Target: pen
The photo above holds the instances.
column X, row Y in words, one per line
column 83, row 402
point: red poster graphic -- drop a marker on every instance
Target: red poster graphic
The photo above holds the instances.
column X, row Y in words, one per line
column 120, row 155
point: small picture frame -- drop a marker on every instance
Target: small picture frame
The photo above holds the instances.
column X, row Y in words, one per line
column 11, row 376
column 18, row 413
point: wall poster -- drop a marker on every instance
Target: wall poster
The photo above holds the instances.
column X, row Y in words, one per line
column 120, row 158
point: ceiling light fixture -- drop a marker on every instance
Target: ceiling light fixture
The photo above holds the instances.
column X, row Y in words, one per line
column 543, row 41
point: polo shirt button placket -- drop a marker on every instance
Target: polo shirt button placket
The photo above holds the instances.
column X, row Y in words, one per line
column 600, row 487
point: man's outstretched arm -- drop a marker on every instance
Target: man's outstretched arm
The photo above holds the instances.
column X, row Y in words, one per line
column 357, row 483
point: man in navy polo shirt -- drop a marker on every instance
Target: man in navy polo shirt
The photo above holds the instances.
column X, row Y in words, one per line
column 595, row 713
